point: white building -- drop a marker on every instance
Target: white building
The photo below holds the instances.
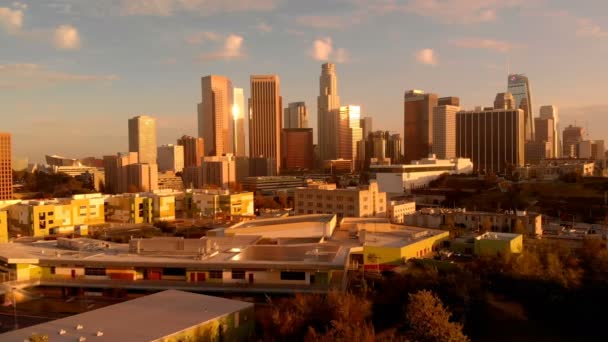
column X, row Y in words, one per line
column 418, row 174
column 397, row 210
column 170, row 158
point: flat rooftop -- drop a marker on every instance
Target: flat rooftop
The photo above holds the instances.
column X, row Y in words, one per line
column 398, row 236
column 497, row 236
column 146, row 318
column 320, row 218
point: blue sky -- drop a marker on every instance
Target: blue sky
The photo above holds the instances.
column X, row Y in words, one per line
column 73, row 71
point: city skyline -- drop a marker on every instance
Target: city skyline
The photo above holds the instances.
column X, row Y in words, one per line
column 80, row 77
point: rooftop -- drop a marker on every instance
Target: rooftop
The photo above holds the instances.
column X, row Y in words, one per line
column 497, row 236
column 142, row 319
column 392, row 235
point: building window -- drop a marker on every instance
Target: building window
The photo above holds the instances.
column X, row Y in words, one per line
column 238, row 274
column 309, row 212
column 216, row 274
column 52, row 269
column 177, row 272
column 95, row 271
column 286, row 275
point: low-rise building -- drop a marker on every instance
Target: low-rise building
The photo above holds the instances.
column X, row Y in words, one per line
column 129, row 208
column 338, row 166
column 194, row 317
column 405, row 177
column 397, row 210
column 552, row 169
column 493, row 243
column 323, row 198
column 213, row 202
column 169, row 181
column 3, row 226
column 272, row 184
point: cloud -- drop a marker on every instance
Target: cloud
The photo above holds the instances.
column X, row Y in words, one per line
column 202, row 7
column 28, row 75
column 263, row 27
column 322, row 21
column 66, row 37
column 587, row 28
column 479, row 43
column 323, row 50
column 202, row 36
column 11, row 19
column 427, row 56
column 232, row 49
column 462, row 11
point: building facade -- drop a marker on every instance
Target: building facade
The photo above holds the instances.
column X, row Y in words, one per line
column 444, row 131
column 6, row 170
column 491, row 138
column 142, row 138
column 239, row 117
column 550, row 112
column 170, row 158
column 418, row 124
column 328, row 106
column 219, row 171
column 296, row 147
column 519, row 86
column 295, row 115
column 398, row 210
column 266, row 120
column 572, row 136
column 215, row 115
column 194, row 150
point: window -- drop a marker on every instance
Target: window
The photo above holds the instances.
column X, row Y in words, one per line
column 174, row 272
column 286, row 275
column 95, row 271
column 52, row 269
column 215, row 274
column 238, row 274
column 51, row 213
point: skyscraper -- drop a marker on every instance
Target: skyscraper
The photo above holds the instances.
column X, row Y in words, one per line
column 194, row 150
column 116, row 172
column 572, row 136
column 350, row 133
column 238, row 114
column 296, row 115
column 444, row 131
column 504, row 101
column 550, row 112
column 142, row 138
column 6, row 169
column 418, row 124
column 296, row 148
column 328, row 106
column 394, row 146
column 519, row 86
column 491, row 138
column 171, row 158
column 544, row 132
column 215, row 115
column 366, row 126
column 266, row 120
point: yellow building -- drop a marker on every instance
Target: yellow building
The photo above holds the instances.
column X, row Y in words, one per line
column 214, row 202
column 129, row 208
column 492, row 243
column 164, row 206
column 3, row 226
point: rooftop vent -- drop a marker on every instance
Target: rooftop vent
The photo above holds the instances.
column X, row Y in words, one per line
column 62, row 332
column 79, row 327
column 99, row 333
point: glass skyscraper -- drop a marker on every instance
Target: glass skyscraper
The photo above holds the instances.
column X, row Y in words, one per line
column 519, row 87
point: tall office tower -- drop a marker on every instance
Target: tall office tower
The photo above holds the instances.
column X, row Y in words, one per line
column 550, row 112
column 296, row 115
column 142, row 177
column 394, row 145
column 171, row 158
column 328, row 107
column 418, row 124
column 115, row 169
column 366, row 126
column 215, row 115
column 544, row 133
column 519, row 86
column 374, row 146
column 266, row 120
column 448, row 101
column 591, row 149
column 296, row 148
column 142, row 138
column 572, row 135
column 504, row 101
column 491, row 138
column 444, row 131
column 238, row 115
column 194, row 150
column 219, row 171
column 6, row 169
column 350, row 133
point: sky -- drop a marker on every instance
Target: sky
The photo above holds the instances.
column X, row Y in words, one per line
column 72, row 72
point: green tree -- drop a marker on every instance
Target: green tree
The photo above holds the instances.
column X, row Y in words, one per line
column 429, row 320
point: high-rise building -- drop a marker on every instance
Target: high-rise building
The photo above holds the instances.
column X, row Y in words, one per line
column 537, row 151
column 418, row 124
column 504, row 101
column 219, row 171
column 296, row 115
column 444, row 131
column 266, row 120
column 215, row 115
column 491, row 138
column 170, row 158
column 239, row 117
column 449, row 101
column 142, row 177
column 262, row 167
column 572, row 135
column 366, row 126
column 194, row 150
column 142, row 138
column 6, row 170
column 328, row 106
column 544, row 133
column 115, row 171
column 591, row 149
column 394, row 145
column 349, row 133
column 519, row 86
column 550, row 112
column 296, row 147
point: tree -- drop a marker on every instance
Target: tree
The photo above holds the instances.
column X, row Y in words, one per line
column 429, row 320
